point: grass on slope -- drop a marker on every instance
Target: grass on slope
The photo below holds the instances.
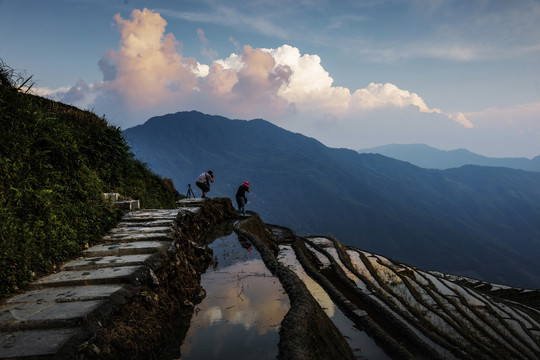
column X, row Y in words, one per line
column 56, row 161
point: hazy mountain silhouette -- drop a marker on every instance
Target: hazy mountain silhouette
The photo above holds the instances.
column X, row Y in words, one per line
column 431, row 158
column 476, row 221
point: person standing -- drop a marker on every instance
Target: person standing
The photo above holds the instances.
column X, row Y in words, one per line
column 203, row 182
column 241, row 198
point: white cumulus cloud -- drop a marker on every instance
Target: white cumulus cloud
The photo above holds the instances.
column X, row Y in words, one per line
column 148, row 75
column 380, row 95
column 461, row 119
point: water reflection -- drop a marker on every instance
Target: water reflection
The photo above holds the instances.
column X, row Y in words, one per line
column 361, row 344
column 243, row 308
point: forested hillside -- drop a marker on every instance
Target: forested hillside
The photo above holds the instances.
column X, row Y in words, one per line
column 56, row 162
column 475, row 221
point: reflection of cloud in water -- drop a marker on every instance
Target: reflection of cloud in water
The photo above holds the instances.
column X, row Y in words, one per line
column 243, row 309
column 245, row 293
column 212, row 315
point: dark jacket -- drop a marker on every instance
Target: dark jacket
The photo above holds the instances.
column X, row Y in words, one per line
column 241, row 192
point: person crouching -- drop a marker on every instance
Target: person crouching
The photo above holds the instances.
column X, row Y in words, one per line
column 203, row 182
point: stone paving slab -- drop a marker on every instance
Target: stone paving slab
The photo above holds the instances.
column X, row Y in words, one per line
column 152, row 223
column 66, row 294
column 189, row 209
column 34, row 343
column 115, row 275
column 92, row 263
column 151, row 215
column 191, row 202
column 130, row 248
column 141, row 229
column 139, row 237
column 20, row 316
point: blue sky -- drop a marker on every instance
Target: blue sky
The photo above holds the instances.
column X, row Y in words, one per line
column 356, row 74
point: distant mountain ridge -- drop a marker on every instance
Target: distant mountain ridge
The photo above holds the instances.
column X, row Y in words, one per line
column 431, row 158
column 480, row 222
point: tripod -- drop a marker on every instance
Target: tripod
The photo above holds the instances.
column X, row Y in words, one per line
column 190, row 193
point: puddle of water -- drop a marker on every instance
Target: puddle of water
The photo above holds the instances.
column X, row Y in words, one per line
column 241, row 314
column 361, row 344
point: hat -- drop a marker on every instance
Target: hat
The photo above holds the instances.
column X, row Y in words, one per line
column 210, row 172
column 246, row 183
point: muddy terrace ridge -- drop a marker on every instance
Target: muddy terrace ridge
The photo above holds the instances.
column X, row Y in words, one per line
column 143, row 280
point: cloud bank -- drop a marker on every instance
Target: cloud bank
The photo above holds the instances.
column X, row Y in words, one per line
column 149, row 72
column 147, row 75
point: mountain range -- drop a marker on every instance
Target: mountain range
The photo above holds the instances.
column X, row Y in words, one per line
column 431, row 158
column 474, row 221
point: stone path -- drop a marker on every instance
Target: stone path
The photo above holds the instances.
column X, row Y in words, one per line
column 60, row 311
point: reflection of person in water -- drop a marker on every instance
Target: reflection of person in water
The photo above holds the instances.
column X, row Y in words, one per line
column 241, row 198
column 246, row 244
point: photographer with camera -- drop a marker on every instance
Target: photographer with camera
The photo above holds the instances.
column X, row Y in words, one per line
column 203, row 182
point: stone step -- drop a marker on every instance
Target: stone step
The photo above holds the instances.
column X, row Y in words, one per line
column 147, row 224
column 148, row 215
column 194, row 202
column 54, row 316
column 34, row 343
column 70, row 293
column 47, row 314
column 133, row 237
column 112, row 275
column 93, row 263
column 141, row 229
column 185, row 210
column 135, row 218
column 130, row 248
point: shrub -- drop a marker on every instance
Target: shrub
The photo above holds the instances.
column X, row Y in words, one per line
column 56, row 161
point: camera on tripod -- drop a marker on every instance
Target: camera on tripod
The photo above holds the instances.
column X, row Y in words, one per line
column 190, row 193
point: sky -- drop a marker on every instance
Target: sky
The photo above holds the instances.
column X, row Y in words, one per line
column 356, row 74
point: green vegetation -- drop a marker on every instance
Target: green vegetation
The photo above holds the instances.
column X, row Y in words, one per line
column 56, row 161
